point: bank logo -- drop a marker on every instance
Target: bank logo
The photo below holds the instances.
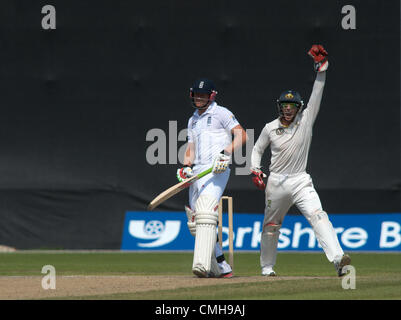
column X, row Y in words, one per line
column 144, row 230
column 161, row 233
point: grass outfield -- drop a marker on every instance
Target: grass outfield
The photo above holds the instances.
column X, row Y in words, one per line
column 156, row 276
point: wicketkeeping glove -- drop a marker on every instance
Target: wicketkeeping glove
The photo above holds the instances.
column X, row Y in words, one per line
column 257, row 178
column 184, row 173
column 319, row 55
column 221, row 163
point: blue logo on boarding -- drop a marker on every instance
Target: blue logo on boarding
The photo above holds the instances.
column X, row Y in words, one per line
column 155, row 231
column 144, row 230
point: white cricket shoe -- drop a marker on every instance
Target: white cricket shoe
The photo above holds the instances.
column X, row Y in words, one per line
column 268, row 271
column 225, row 270
column 341, row 263
column 200, row 273
column 225, row 267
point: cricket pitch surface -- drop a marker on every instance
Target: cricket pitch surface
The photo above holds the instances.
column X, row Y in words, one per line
column 168, row 276
column 30, row 287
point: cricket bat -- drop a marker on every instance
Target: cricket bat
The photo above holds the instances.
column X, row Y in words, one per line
column 176, row 189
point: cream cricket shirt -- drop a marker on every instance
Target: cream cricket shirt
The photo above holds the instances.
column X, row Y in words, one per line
column 210, row 132
column 290, row 145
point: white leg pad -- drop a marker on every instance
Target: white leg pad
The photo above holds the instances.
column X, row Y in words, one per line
column 191, row 220
column 205, row 238
column 326, row 235
column 268, row 245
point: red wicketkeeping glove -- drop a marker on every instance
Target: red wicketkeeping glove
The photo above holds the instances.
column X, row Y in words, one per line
column 257, row 178
column 319, row 55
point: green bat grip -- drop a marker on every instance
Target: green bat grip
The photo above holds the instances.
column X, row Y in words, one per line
column 204, row 173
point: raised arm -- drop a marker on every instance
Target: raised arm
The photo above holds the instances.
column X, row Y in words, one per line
column 321, row 63
column 316, row 96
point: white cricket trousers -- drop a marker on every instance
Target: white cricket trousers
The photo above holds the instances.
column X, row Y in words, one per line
column 211, row 184
column 283, row 191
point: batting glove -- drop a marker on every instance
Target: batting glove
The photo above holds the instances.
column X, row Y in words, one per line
column 221, row 163
column 184, row 173
column 257, row 178
column 319, row 55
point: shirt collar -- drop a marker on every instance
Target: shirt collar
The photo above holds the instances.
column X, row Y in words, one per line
column 295, row 121
column 209, row 109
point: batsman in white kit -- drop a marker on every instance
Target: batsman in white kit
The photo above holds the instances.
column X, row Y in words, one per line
column 210, row 143
column 289, row 137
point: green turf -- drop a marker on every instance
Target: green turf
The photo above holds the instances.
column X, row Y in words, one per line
column 327, row 289
column 378, row 276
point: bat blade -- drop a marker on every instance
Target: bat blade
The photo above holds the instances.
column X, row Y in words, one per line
column 167, row 194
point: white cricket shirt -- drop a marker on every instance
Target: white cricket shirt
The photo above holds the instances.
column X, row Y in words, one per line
column 210, row 132
column 290, row 145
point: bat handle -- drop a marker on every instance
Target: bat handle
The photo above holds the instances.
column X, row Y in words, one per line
column 204, row 173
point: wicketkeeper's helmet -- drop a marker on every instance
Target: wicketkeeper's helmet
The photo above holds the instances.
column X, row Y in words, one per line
column 289, row 96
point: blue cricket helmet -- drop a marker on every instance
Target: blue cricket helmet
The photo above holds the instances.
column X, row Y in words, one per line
column 289, row 96
column 203, row 85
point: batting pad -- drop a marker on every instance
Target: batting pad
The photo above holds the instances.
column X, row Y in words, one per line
column 191, row 220
column 205, row 238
